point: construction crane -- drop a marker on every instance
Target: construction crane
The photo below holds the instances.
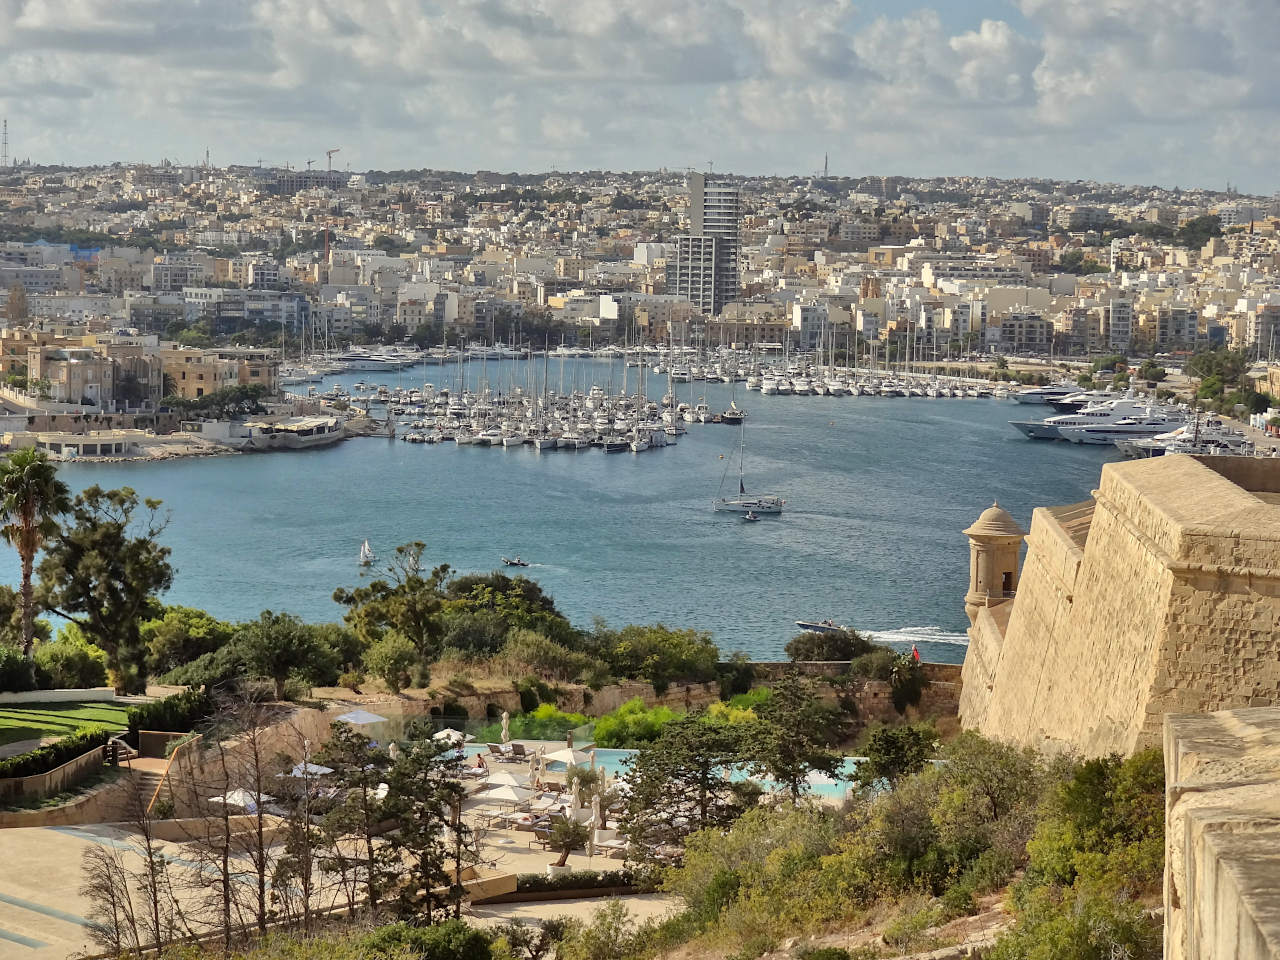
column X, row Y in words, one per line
column 329, row 154
column 309, row 163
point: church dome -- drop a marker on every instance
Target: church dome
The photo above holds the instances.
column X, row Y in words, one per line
column 995, row 521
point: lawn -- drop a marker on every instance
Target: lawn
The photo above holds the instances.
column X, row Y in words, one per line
column 30, row 721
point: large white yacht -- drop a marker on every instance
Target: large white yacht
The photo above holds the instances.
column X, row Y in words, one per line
column 1100, row 414
column 1056, row 391
column 1153, row 423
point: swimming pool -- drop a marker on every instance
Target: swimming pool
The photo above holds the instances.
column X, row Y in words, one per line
column 613, row 763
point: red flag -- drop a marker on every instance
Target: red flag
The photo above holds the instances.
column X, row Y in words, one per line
column 915, row 653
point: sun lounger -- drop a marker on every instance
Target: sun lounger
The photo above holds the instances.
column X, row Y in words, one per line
column 518, row 751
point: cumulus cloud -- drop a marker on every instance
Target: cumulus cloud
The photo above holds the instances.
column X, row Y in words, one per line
column 1136, row 90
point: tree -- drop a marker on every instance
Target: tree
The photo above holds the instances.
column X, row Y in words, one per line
column 792, row 734
column 104, row 572
column 11, row 620
column 180, row 635
column 828, row 645
column 678, row 784
column 390, row 660
column 407, row 603
column 31, row 496
column 16, row 309
column 351, row 827
column 423, row 798
column 896, row 752
column 279, row 645
column 567, row 835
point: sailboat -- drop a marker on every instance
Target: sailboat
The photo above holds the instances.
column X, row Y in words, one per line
column 742, row 503
column 366, row 554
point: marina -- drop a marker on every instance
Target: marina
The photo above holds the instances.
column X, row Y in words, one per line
column 876, row 490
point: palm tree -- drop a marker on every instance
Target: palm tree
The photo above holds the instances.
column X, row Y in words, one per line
column 31, row 495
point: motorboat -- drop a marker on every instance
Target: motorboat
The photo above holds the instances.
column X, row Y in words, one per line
column 1057, row 391
column 1151, row 424
column 514, row 561
column 1109, row 411
column 751, row 515
column 821, row 626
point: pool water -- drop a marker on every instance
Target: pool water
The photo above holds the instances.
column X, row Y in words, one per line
column 613, row 763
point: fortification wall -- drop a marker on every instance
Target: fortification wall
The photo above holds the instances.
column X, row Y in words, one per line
column 1222, row 835
column 1165, row 598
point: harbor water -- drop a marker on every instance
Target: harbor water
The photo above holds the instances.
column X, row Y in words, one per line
column 877, row 492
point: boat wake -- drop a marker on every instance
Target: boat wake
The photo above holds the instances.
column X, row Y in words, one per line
column 905, row 636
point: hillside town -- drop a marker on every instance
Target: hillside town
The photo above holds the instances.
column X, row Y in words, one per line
column 134, row 289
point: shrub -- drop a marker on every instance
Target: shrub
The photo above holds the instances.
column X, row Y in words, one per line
column 579, row 880
column 828, row 645
column 907, row 681
column 17, row 674
column 450, row 940
column 529, row 651
column 71, row 663
column 53, row 755
column 177, row 714
column 875, row 665
column 351, row 680
column 631, row 724
column 390, row 660
column 827, row 953
column 534, row 691
column 736, row 675
column 895, row 752
column 544, row 723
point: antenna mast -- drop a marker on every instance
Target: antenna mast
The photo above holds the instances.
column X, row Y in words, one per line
column 4, row 145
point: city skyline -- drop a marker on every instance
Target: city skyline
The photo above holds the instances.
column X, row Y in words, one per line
column 1134, row 92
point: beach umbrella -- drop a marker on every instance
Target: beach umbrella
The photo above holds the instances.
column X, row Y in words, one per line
column 575, row 803
column 595, row 812
column 506, row 727
column 569, row 757
column 507, row 794
column 591, row 759
column 505, row 778
column 452, row 735
column 360, row 718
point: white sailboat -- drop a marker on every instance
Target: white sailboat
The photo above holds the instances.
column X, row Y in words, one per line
column 742, row 503
column 366, row 554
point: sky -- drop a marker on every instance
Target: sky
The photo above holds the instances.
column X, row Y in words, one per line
column 1170, row 92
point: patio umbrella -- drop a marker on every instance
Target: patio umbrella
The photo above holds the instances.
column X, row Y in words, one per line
column 452, row 735
column 506, row 727
column 576, row 797
column 533, row 766
column 505, row 778
column 569, row 757
column 241, row 798
column 361, row 718
column 507, row 794
column 591, row 759
column 595, row 813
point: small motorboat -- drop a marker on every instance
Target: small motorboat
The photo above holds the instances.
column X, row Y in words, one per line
column 751, row 515
column 515, row 562
column 821, row 626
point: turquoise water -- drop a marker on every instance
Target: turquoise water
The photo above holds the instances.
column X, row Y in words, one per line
column 877, row 491
column 614, row 763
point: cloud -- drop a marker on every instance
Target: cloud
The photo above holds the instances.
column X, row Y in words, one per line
column 1108, row 89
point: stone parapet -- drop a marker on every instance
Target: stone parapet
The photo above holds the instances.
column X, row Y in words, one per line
column 1222, row 835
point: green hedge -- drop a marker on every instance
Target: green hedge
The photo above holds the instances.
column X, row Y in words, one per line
column 175, row 714
column 578, row 880
column 53, row 755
